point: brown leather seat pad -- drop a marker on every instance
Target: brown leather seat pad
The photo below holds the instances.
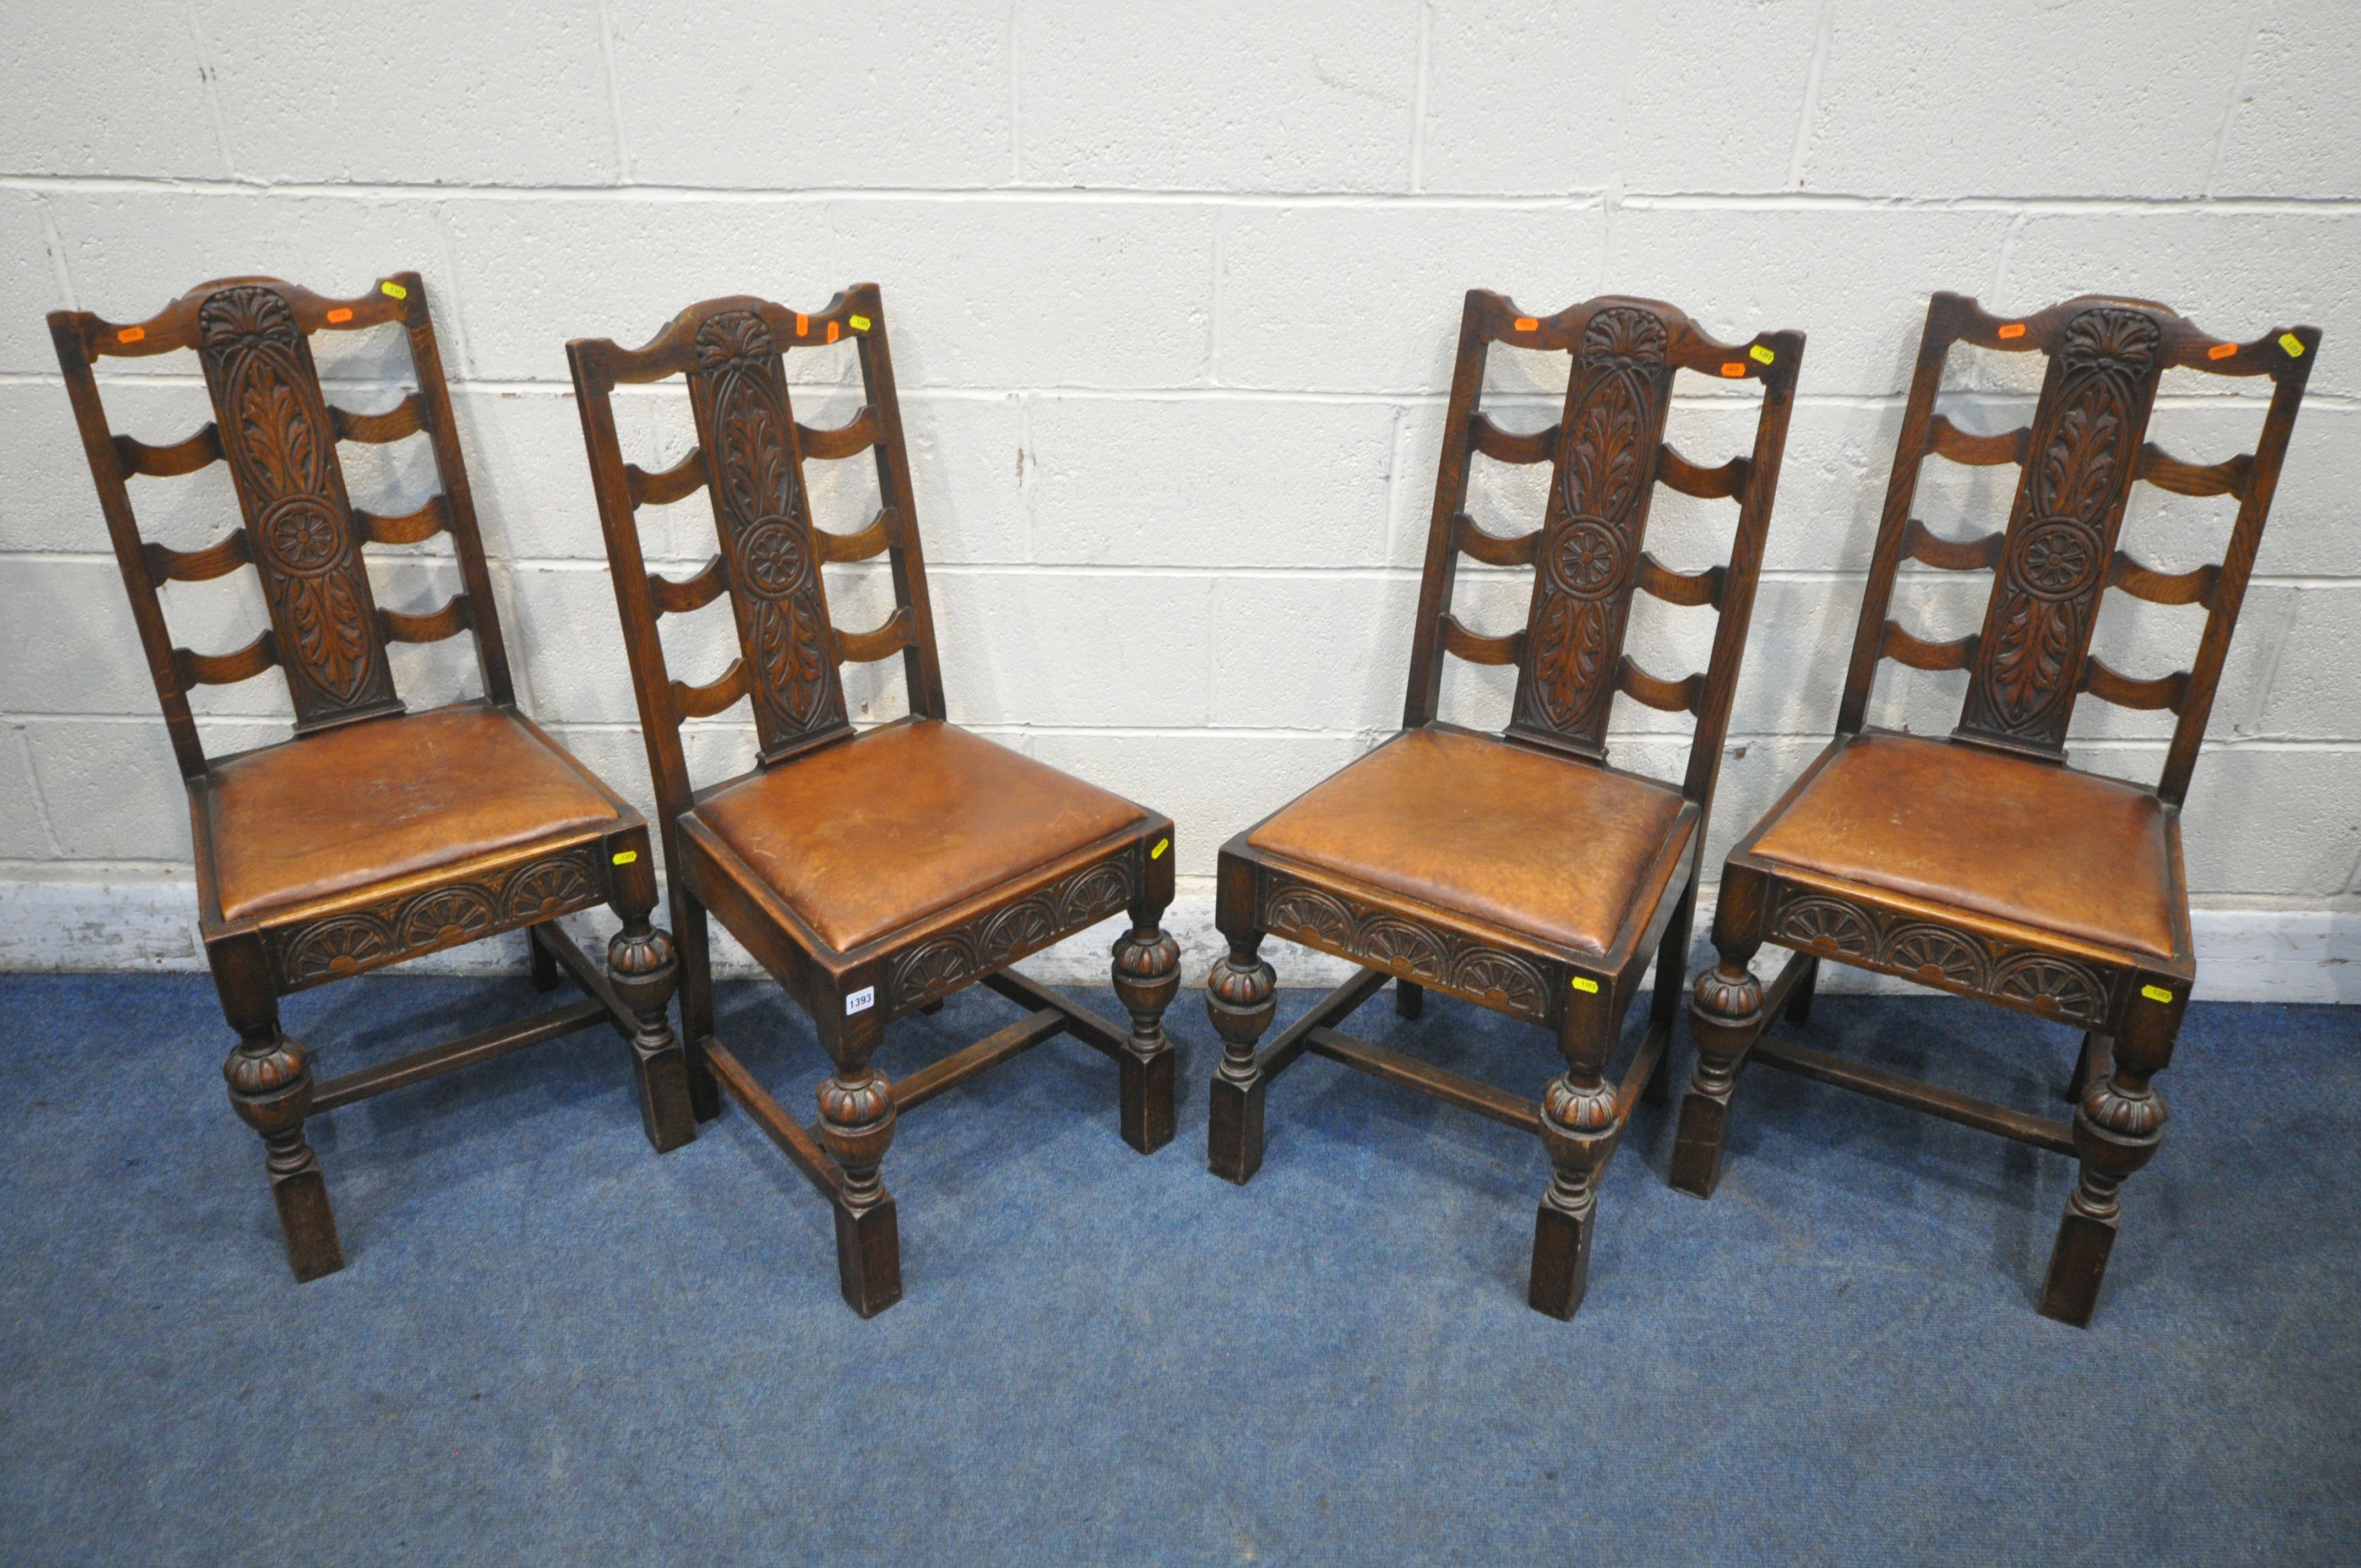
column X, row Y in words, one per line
column 2020, row 840
column 1552, row 848
column 872, row 834
column 347, row 808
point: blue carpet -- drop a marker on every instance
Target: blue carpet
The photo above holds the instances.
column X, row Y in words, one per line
column 553, row 1346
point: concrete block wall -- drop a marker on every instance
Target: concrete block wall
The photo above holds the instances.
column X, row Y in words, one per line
column 1174, row 291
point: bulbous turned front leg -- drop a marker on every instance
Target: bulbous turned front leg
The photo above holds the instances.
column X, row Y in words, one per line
column 2116, row 1130
column 1580, row 1127
column 269, row 1078
column 1725, row 1015
column 1147, row 979
column 856, row 1122
column 1241, row 997
column 644, row 972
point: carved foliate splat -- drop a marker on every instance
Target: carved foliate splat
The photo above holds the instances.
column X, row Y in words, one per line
column 1588, row 555
column 743, row 419
column 275, row 433
column 2081, row 460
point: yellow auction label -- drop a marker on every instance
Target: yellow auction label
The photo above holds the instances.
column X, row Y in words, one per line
column 1157, row 853
column 1760, row 355
column 2156, row 993
column 393, row 290
column 1584, row 983
column 626, row 856
column 2292, row 343
column 861, row 324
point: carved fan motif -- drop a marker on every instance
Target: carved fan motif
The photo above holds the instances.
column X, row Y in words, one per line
column 1002, row 936
column 276, row 435
column 1388, row 941
column 2045, row 597
column 1828, row 925
column 1599, row 512
column 1937, row 955
column 772, row 565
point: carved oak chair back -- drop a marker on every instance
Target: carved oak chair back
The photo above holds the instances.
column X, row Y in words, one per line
column 729, row 845
column 1553, row 917
column 1607, row 454
column 749, row 460
column 300, row 532
column 2080, row 458
column 1983, row 866
column 303, row 875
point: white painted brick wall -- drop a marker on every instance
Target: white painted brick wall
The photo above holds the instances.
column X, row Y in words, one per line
column 1174, row 291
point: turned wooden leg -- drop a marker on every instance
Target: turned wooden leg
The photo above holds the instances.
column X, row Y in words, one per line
column 643, row 971
column 1725, row 1015
column 1409, row 999
column 1580, row 1128
column 856, row 1122
column 546, row 975
column 1147, row 979
column 695, row 1001
column 1241, row 997
column 2117, row 1126
column 269, row 1078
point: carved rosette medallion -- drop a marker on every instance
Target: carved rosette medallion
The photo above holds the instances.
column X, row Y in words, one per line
column 275, row 433
column 1508, row 982
column 743, row 418
column 319, row 950
column 1000, row 936
column 1918, row 949
column 1591, row 535
column 2083, row 453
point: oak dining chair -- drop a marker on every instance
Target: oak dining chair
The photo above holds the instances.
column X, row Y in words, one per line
column 1980, row 862
column 872, row 872
column 1520, row 871
column 374, row 834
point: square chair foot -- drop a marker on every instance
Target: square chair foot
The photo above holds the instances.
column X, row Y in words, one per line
column 1147, row 1100
column 1561, row 1261
column 1696, row 1146
column 2076, row 1265
column 869, row 1257
column 313, row 1249
column 1233, row 1130
column 665, row 1113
